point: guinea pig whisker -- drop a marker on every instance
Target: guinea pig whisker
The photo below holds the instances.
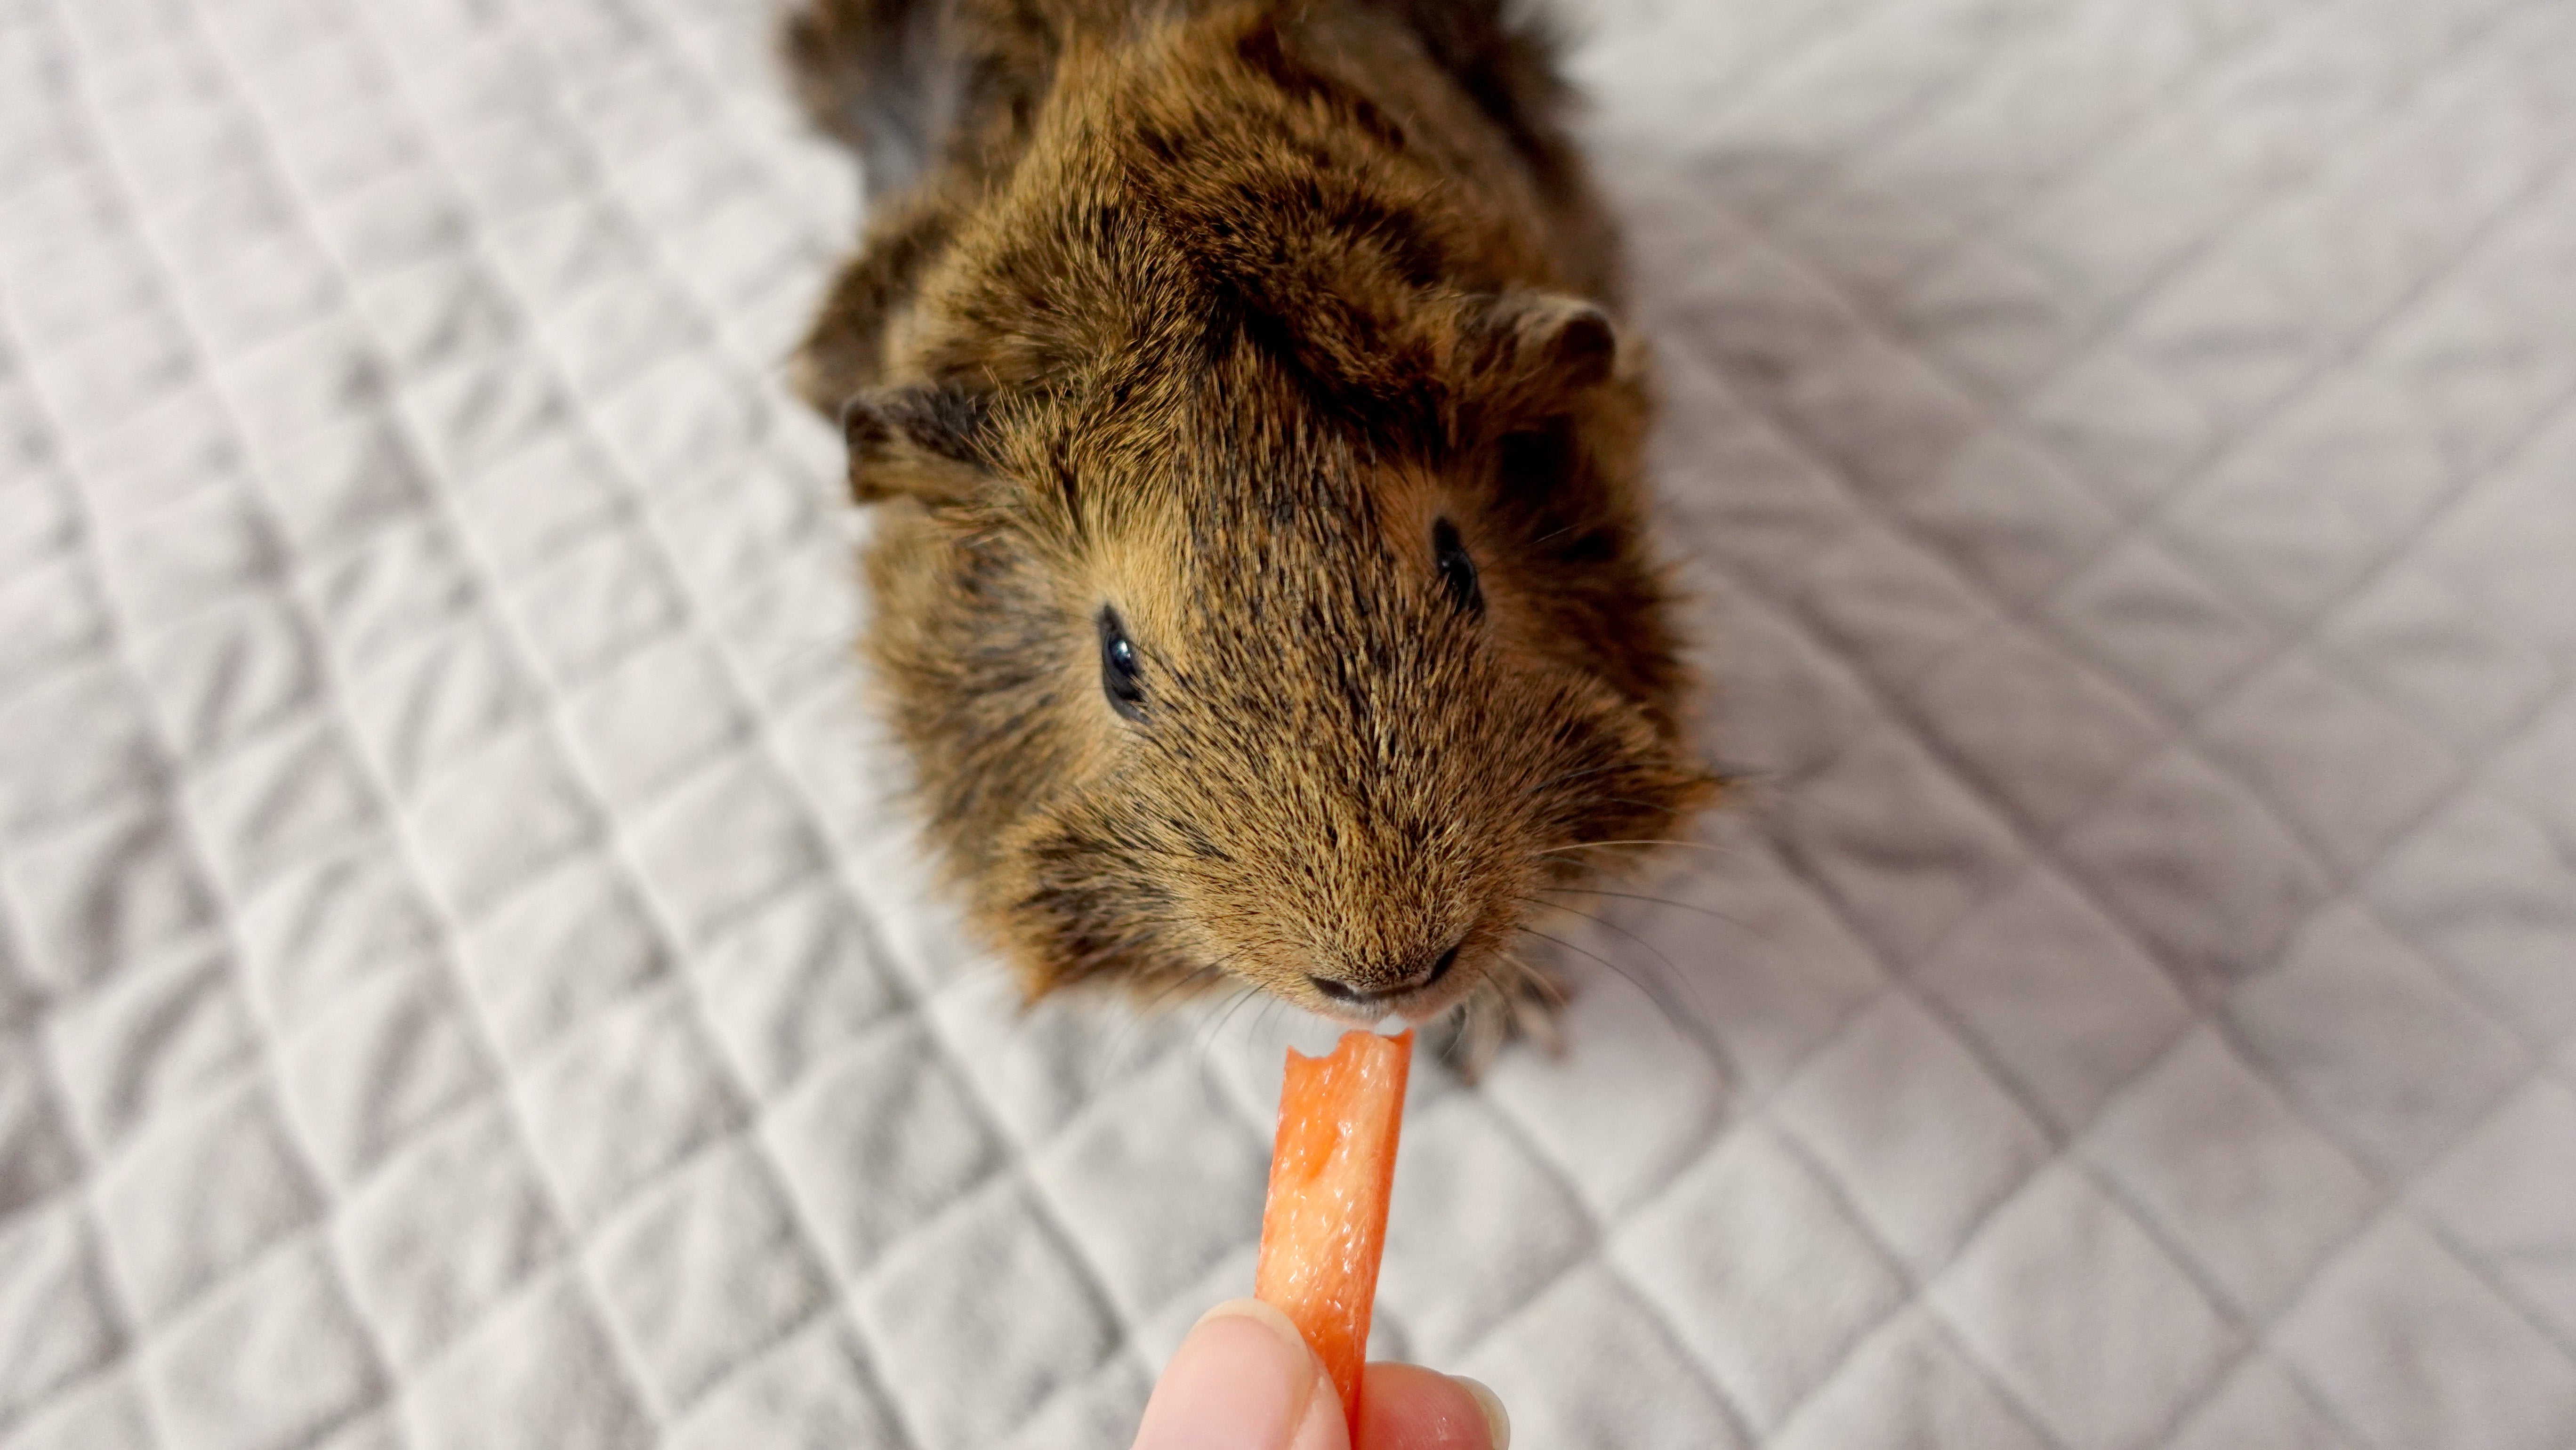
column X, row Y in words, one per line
column 1260, row 1021
column 1672, row 1017
column 1131, row 1033
column 1737, row 922
column 1454, row 1046
column 1185, row 981
column 1233, row 1005
column 1680, row 976
column 1539, row 982
column 1207, row 1048
column 1597, row 845
column 1556, row 780
column 1202, row 1037
column 1628, row 801
column 797, row 656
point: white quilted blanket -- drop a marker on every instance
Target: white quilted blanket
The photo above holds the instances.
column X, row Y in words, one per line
column 464, row 984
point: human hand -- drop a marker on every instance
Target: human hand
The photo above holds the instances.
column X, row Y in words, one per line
column 1244, row 1380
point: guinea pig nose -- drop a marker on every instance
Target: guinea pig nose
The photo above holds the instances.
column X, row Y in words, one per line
column 1342, row 991
column 1348, row 994
column 1441, row 967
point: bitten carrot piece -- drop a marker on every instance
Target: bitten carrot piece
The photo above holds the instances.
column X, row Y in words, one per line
column 1330, row 1175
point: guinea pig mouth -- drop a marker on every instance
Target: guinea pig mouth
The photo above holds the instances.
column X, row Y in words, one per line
column 1443, row 988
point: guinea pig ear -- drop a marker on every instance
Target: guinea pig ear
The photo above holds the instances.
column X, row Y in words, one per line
column 1545, row 343
column 926, row 441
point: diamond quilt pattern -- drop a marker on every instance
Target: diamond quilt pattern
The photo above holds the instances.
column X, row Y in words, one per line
column 466, row 978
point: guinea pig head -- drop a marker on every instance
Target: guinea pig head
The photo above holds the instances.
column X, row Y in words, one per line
column 1208, row 681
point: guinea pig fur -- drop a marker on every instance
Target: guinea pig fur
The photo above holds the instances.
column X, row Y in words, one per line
column 1258, row 566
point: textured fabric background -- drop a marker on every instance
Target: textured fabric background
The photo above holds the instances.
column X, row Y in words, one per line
column 464, row 985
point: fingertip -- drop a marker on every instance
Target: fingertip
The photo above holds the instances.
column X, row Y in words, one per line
column 1243, row 1376
column 1407, row 1407
column 1262, row 1312
column 1498, row 1423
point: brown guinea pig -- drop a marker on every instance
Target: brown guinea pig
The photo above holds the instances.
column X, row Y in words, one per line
column 1258, row 568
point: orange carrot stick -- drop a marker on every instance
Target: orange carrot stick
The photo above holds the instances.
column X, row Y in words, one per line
column 1330, row 1175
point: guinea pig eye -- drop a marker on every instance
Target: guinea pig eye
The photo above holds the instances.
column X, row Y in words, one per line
column 1121, row 671
column 1457, row 571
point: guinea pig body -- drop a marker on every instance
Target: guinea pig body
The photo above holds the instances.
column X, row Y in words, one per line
column 1258, row 571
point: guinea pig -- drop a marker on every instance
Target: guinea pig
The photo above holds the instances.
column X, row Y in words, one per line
column 1258, row 566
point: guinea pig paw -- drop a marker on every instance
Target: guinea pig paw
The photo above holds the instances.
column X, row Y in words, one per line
column 1527, row 1009
column 1467, row 1037
column 1537, row 1017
